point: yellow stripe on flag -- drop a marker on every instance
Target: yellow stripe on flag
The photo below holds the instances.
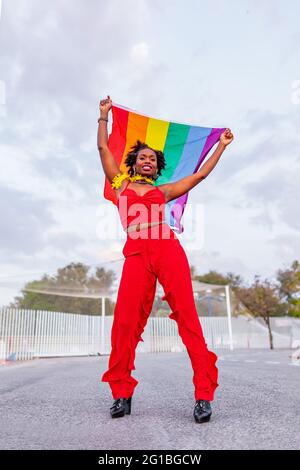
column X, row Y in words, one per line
column 157, row 132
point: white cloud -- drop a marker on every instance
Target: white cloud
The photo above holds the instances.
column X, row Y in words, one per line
column 139, row 53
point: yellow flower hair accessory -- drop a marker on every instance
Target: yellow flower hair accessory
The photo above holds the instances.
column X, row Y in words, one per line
column 120, row 177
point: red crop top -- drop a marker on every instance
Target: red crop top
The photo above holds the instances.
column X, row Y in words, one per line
column 150, row 207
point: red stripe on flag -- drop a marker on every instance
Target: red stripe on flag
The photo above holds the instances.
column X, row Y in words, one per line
column 116, row 144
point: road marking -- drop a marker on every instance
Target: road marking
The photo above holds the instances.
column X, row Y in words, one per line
column 254, row 361
column 272, row 362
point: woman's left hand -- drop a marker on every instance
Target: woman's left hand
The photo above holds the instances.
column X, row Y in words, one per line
column 226, row 137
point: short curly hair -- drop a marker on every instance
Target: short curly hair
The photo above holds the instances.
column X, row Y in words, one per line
column 132, row 156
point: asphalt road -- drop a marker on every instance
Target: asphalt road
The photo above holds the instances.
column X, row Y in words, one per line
column 59, row 403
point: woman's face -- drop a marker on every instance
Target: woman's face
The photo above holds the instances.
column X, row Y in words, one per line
column 146, row 162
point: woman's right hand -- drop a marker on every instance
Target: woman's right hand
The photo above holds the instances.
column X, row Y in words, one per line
column 105, row 105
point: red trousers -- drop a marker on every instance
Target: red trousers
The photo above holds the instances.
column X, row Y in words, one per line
column 165, row 260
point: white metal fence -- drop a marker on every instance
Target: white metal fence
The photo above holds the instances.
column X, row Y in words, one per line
column 251, row 332
column 25, row 334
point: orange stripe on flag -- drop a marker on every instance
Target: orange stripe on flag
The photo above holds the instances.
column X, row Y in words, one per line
column 136, row 129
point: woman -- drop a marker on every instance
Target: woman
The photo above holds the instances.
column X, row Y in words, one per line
column 153, row 252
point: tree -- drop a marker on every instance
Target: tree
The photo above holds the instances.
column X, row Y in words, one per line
column 70, row 290
column 289, row 288
column 261, row 300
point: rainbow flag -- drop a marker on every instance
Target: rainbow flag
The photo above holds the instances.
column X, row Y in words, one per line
column 184, row 146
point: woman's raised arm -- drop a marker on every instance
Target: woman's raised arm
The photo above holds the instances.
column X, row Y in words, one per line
column 109, row 164
column 182, row 186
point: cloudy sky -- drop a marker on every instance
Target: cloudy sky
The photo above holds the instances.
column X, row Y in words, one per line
column 212, row 63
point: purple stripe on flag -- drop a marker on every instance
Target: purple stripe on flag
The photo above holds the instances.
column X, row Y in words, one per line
column 179, row 203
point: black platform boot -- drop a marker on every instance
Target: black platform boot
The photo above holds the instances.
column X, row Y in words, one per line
column 202, row 411
column 120, row 407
